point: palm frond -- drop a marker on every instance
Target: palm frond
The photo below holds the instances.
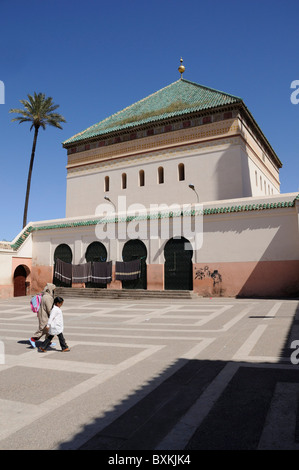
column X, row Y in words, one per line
column 19, row 111
column 21, row 119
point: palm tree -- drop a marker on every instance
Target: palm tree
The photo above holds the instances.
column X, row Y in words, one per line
column 38, row 110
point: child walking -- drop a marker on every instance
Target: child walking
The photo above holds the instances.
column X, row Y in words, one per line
column 55, row 327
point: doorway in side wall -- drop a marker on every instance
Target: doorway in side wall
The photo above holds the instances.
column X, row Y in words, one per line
column 132, row 250
column 96, row 252
column 178, row 265
column 19, row 280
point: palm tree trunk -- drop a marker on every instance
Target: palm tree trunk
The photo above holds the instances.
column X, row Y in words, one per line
column 29, row 177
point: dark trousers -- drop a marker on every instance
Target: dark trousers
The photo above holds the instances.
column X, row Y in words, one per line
column 49, row 338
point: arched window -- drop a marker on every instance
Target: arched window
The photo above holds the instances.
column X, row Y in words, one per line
column 107, row 182
column 141, row 178
column 160, row 175
column 124, row 181
column 256, row 179
column 96, row 251
column 181, row 171
column 64, row 253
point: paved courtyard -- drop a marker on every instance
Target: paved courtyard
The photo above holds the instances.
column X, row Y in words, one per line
column 153, row 374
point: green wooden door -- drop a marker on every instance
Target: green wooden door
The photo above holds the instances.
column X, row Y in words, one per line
column 135, row 249
column 178, row 265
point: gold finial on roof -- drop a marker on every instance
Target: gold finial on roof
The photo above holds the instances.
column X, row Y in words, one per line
column 181, row 68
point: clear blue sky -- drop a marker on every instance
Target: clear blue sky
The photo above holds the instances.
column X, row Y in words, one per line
column 96, row 57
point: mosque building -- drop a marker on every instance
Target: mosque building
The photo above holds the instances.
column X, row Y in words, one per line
column 179, row 191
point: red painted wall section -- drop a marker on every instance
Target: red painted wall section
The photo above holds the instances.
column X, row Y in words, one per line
column 247, row 279
column 155, row 275
column 40, row 276
column 6, row 292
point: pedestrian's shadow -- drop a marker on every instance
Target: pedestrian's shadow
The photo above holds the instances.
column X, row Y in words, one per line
column 26, row 342
column 38, row 343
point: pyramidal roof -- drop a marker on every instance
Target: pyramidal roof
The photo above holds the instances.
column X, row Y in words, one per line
column 179, row 98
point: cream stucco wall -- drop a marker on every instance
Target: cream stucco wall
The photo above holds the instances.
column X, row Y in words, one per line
column 213, row 172
column 252, row 237
column 5, row 268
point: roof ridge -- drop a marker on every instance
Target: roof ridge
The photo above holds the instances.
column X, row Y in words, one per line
column 212, row 89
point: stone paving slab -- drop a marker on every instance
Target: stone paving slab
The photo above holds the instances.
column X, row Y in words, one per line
column 181, row 375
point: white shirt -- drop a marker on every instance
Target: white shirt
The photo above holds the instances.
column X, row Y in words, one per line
column 55, row 321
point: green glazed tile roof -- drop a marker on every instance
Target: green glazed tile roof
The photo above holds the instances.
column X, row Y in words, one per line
column 178, row 98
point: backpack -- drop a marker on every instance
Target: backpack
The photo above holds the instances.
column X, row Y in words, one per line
column 35, row 303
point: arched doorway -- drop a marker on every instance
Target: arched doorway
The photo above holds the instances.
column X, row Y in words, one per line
column 178, row 265
column 64, row 253
column 96, row 252
column 19, row 281
column 135, row 249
